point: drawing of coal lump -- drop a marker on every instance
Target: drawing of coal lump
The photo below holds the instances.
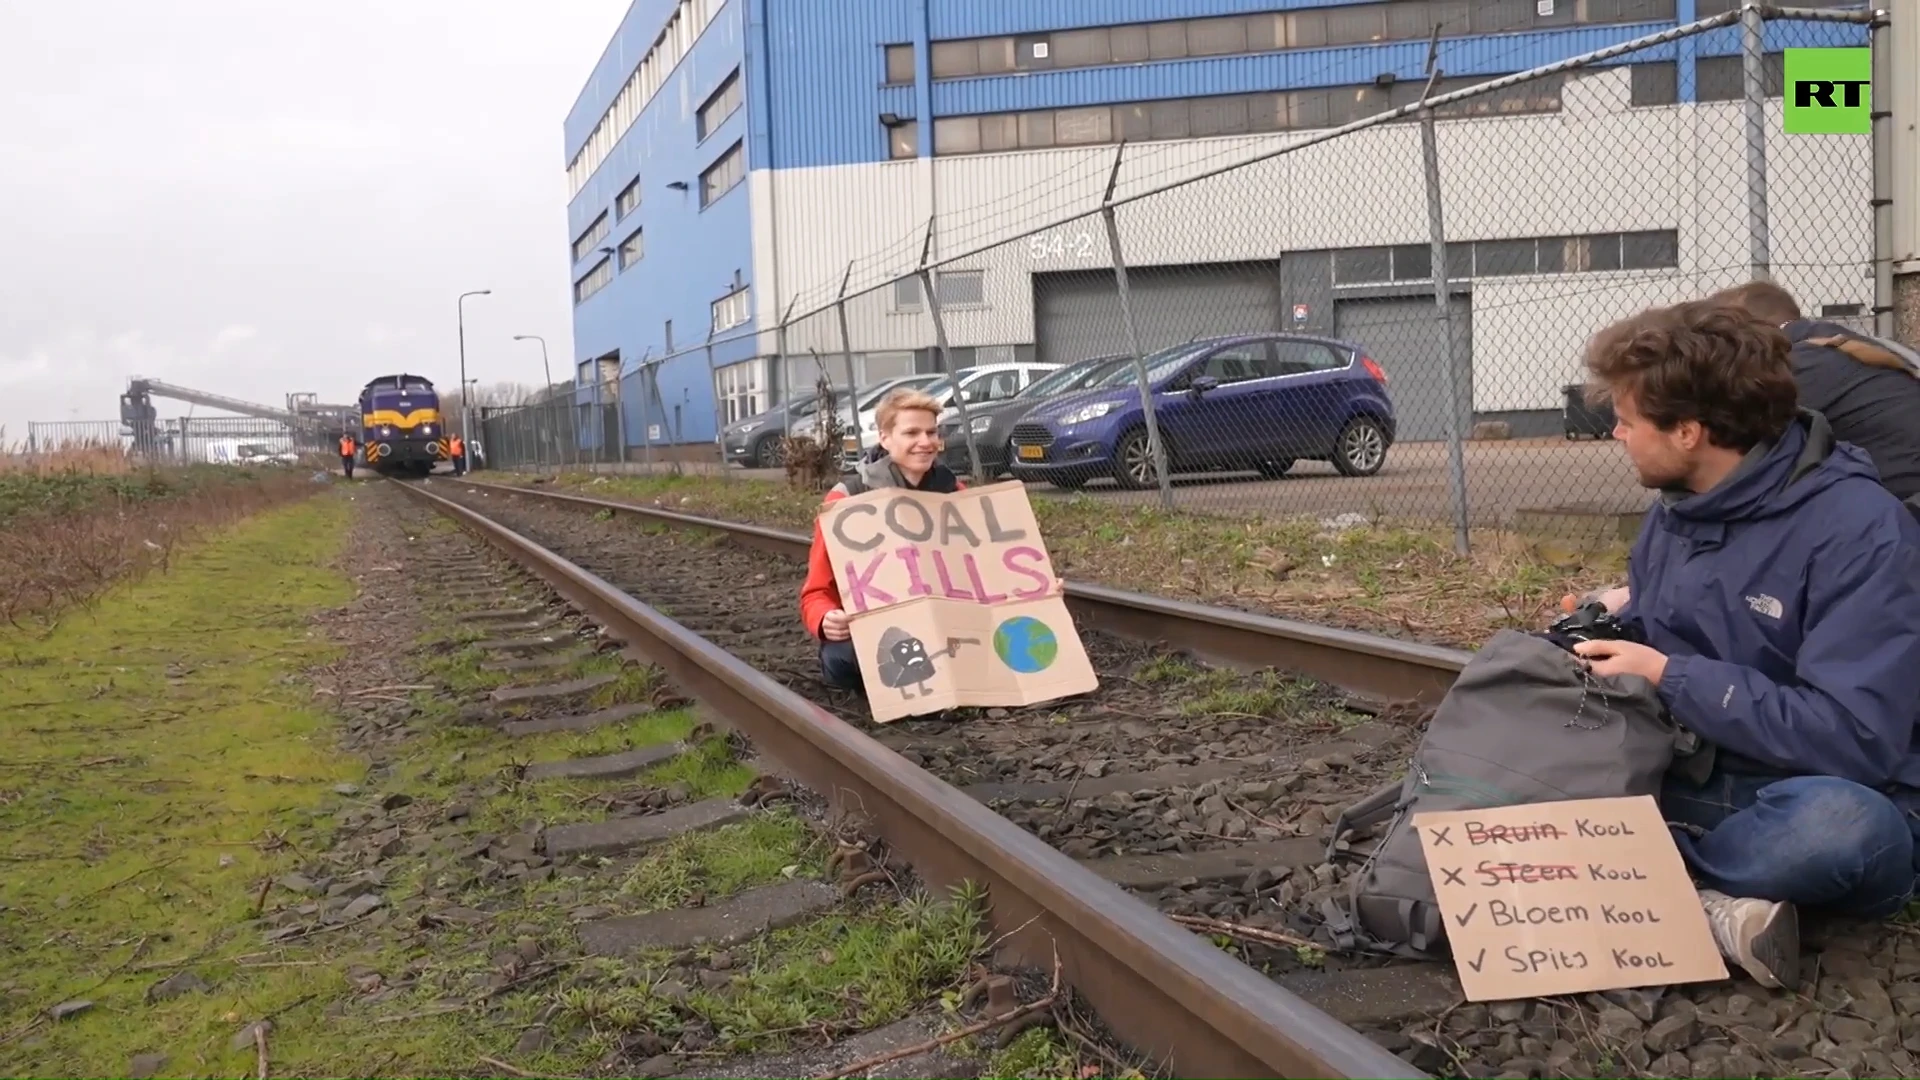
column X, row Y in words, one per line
column 904, row 662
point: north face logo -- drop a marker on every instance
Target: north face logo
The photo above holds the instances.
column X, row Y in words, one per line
column 1766, row 605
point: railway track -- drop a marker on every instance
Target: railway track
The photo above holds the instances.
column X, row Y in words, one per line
column 1204, row 792
column 1180, row 1000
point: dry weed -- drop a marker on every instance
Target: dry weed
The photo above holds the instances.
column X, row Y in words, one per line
column 86, row 456
column 55, row 560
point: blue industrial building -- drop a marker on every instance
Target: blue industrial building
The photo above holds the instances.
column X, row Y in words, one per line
column 728, row 158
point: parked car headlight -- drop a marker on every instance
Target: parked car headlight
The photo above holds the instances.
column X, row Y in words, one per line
column 748, row 429
column 1090, row 412
column 981, row 424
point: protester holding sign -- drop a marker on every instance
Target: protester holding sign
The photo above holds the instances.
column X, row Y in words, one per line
column 1776, row 585
column 911, row 448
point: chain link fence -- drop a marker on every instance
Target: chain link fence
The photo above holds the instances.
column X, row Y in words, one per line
column 1376, row 310
column 181, row 441
column 1380, row 312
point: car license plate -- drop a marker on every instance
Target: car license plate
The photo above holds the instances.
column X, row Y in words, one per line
column 1032, row 453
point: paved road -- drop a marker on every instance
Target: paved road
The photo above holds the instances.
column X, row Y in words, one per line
column 1502, row 478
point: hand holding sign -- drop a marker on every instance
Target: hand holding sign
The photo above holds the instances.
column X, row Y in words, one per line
column 967, row 573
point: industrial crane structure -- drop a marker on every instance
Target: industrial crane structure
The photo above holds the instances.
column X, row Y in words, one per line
column 310, row 423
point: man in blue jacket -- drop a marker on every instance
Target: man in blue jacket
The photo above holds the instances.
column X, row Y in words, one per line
column 1777, row 586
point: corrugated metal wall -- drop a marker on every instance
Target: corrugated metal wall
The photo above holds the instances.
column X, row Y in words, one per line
column 828, row 64
column 1271, row 71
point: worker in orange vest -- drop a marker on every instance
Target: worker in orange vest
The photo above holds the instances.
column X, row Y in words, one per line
column 346, row 454
column 457, row 450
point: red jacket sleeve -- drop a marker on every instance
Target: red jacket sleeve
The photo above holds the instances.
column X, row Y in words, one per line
column 821, row 593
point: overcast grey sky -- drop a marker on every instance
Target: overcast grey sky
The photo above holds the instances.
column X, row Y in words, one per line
column 254, row 196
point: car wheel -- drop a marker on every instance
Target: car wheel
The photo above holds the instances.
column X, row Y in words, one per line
column 1362, row 448
column 766, row 453
column 1274, row 468
column 1133, row 462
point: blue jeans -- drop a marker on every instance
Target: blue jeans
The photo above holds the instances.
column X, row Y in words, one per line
column 839, row 667
column 1816, row 841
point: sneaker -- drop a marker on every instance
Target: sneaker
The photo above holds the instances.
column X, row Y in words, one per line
column 1762, row 936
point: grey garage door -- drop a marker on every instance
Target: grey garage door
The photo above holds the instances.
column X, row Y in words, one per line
column 1404, row 337
column 1077, row 314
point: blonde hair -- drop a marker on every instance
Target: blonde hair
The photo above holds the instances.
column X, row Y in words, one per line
column 904, row 401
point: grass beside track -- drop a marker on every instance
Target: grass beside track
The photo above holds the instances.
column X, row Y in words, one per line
column 1381, row 578
column 155, row 745
column 168, row 770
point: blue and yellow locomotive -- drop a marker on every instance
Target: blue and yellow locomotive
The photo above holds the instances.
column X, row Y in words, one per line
column 401, row 430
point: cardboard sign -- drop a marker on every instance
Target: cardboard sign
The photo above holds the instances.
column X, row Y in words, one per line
column 952, row 601
column 1566, row 897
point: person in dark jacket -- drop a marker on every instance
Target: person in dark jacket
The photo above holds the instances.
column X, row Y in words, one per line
column 1866, row 387
column 1777, row 586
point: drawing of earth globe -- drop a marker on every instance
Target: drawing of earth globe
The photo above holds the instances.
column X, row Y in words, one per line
column 1026, row 644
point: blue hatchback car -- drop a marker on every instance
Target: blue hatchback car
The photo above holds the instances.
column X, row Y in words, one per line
column 1251, row 402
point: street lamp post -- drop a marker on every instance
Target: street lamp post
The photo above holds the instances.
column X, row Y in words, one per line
column 548, row 368
column 466, row 406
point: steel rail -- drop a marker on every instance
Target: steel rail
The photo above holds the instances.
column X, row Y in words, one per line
column 1174, row 997
column 1369, row 665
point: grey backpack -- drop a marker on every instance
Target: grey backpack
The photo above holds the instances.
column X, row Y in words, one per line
column 1524, row 723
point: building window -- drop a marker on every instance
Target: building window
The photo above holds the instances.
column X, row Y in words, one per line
column 688, row 21
column 1234, row 114
column 1362, row 266
column 1655, row 250
column 1312, row 28
column 722, row 175
column 1716, row 78
column 628, row 200
column 1654, row 84
column 723, row 103
column 631, row 250
column 903, row 140
column 584, row 244
column 958, row 288
column 730, row 310
column 740, row 390
column 1723, row 78
column 1706, row 9
column 596, row 279
column 899, row 65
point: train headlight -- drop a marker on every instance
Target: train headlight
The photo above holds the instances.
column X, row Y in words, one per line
column 386, row 432
column 426, row 429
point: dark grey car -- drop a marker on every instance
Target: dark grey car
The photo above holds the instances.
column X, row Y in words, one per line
column 755, row 441
column 993, row 421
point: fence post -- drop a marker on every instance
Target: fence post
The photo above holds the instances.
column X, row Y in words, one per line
column 1155, row 447
column 946, row 367
column 846, row 354
column 1880, row 41
column 1458, row 411
column 787, row 389
column 620, row 414
column 1754, row 109
column 719, row 411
